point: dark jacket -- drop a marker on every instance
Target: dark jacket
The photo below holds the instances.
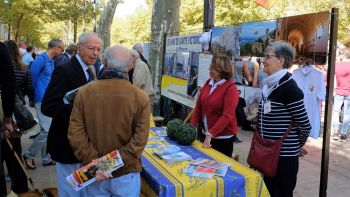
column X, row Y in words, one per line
column 7, row 81
column 61, row 59
column 66, row 77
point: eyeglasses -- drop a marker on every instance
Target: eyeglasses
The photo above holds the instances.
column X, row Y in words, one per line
column 62, row 49
column 268, row 56
column 92, row 49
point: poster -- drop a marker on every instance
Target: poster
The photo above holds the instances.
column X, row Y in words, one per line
column 225, row 40
column 308, row 34
column 255, row 36
column 203, row 70
column 192, row 83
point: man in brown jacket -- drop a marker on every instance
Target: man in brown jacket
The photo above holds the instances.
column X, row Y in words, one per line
column 111, row 114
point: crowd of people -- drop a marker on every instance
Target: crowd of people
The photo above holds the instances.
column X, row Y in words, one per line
column 104, row 78
column 112, row 111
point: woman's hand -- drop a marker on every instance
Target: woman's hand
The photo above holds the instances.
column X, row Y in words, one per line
column 206, row 143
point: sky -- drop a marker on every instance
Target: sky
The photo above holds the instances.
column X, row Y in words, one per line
column 128, row 8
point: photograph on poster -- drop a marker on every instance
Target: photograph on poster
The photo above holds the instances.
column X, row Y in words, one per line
column 308, row 34
column 225, row 40
column 255, row 36
column 168, row 64
column 192, row 87
column 181, row 65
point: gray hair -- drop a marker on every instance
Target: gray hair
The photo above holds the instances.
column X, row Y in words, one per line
column 135, row 53
column 54, row 43
column 84, row 36
column 118, row 57
column 71, row 49
column 137, row 46
column 282, row 50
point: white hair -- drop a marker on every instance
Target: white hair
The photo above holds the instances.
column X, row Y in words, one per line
column 118, row 57
column 137, row 47
column 135, row 53
column 84, row 36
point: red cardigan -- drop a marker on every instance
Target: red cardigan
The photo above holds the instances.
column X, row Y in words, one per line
column 219, row 107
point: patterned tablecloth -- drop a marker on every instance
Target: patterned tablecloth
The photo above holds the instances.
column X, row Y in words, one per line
column 162, row 179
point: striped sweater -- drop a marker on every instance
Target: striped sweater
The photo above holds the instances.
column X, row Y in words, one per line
column 287, row 106
column 24, row 82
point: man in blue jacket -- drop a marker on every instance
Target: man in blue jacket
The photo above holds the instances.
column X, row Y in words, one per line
column 41, row 71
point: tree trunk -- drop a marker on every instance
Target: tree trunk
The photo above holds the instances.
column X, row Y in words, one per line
column 9, row 32
column 105, row 22
column 17, row 28
column 165, row 20
column 75, row 27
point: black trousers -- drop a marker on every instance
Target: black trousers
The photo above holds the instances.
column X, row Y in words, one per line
column 225, row 146
column 283, row 184
column 19, row 181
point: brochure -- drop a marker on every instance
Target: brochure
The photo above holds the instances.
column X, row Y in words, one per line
column 160, row 131
column 176, row 157
column 166, row 150
column 69, row 96
column 199, row 171
column 86, row 174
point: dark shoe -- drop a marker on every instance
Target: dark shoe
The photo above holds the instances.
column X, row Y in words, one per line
column 51, row 163
column 29, row 163
column 343, row 137
column 34, row 136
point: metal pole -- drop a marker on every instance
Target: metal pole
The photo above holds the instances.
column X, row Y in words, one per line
column 329, row 102
column 209, row 13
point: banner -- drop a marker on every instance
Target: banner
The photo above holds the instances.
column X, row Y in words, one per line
column 176, row 44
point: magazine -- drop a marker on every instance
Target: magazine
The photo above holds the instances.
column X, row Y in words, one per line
column 86, row 174
column 69, row 96
column 160, row 131
column 166, row 150
column 176, row 157
column 210, row 163
column 199, row 171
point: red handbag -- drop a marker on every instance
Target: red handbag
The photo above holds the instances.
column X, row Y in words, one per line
column 264, row 154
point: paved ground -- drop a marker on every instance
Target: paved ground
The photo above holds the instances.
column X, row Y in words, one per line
column 309, row 171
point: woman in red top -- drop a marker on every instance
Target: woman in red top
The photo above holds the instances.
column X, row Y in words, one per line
column 216, row 106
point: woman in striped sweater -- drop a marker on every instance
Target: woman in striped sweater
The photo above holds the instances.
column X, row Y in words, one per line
column 282, row 104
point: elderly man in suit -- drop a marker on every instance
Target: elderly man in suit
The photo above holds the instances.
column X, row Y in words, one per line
column 120, row 122
column 77, row 72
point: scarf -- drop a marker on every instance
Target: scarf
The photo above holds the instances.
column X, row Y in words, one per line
column 111, row 73
column 271, row 81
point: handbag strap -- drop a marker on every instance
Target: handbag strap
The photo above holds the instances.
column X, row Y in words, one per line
column 285, row 133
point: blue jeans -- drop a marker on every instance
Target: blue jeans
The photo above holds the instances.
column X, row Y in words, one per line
column 338, row 102
column 127, row 185
column 39, row 143
column 64, row 189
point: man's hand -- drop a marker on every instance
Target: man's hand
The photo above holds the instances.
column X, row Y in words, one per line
column 206, row 143
column 100, row 176
column 31, row 104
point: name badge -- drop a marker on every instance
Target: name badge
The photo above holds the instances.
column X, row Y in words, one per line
column 267, row 107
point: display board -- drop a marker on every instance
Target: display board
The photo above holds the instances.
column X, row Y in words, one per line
column 185, row 67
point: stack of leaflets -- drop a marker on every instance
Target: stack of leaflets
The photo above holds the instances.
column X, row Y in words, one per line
column 171, row 154
column 69, row 96
column 154, row 141
column 86, row 175
column 160, row 131
column 206, row 168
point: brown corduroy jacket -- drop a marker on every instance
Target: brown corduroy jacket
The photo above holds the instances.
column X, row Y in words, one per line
column 110, row 114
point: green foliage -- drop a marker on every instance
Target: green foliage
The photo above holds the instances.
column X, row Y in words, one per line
column 186, row 135
column 173, row 127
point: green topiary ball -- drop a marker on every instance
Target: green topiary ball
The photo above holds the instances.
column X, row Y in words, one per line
column 186, row 135
column 173, row 127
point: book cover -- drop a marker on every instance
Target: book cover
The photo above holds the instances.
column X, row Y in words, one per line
column 176, row 157
column 199, row 171
column 210, row 163
column 86, row 174
column 160, row 131
column 166, row 150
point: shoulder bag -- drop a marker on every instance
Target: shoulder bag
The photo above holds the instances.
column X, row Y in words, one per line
column 264, row 154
